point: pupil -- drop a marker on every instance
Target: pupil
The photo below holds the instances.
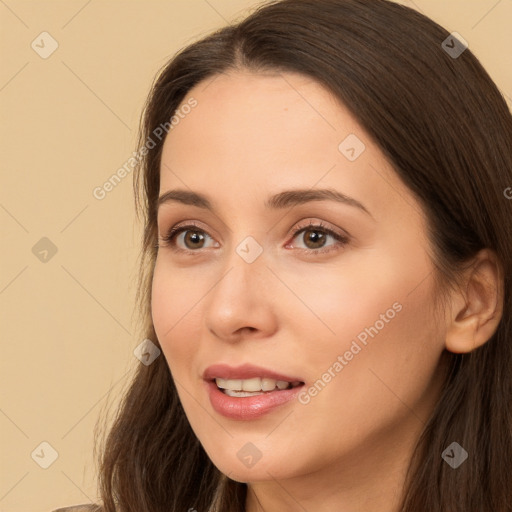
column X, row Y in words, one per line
column 316, row 237
column 194, row 237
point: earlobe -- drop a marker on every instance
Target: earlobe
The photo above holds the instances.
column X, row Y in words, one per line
column 461, row 336
column 476, row 312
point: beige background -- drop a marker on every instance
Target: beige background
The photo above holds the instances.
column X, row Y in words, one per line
column 68, row 123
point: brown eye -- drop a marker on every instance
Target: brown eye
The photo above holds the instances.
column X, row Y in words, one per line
column 187, row 238
column 314, row 238
column 193, row 239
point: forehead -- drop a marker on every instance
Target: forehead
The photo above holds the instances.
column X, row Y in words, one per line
column 245, row 113
column 251, row 135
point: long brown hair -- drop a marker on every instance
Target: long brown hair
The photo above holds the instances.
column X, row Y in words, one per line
column 447, row 130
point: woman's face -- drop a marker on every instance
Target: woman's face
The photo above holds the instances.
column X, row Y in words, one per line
column 277, row 281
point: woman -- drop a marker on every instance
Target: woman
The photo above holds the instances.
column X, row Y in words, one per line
column 326, row 272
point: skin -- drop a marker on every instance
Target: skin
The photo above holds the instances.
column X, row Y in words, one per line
column 251, row 136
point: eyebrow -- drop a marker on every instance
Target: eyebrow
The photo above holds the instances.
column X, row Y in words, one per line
column 285, row 199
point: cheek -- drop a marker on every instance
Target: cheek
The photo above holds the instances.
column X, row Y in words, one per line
column 175, row 298
column 384, row 359
column 375, row 316
column 335, row 305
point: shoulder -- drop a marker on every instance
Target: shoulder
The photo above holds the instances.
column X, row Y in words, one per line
column 80, row 508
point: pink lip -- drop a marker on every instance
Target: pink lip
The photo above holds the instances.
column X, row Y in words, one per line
column 250, row 407
column 245, row 371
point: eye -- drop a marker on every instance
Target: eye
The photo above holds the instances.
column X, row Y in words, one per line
column 315, row 237
column 191, row 236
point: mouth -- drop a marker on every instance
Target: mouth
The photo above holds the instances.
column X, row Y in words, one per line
column 249, row 392
column 252, row 387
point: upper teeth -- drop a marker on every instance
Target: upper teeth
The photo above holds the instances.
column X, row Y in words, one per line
column 256, row 384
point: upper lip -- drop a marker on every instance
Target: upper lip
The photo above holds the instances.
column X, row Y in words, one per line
column 244, row 371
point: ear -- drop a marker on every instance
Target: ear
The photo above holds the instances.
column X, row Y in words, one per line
column 477, row 309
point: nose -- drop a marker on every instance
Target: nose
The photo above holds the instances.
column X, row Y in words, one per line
column 242, row 302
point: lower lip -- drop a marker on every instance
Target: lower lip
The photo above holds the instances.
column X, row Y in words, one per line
column 249, row 407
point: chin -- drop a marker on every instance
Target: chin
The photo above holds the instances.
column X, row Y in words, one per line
column 261, row 470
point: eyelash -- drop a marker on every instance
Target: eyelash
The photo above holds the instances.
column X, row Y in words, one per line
column 169, row 238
